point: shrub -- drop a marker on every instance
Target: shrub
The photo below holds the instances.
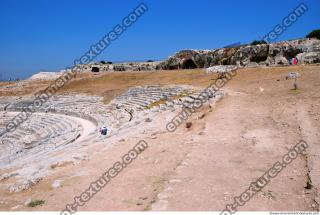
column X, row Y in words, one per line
column 257, row 42
column 104, row 62
column 314, row 34
column 35, row 203
column 188, row 124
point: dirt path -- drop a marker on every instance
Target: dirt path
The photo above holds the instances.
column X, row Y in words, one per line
column 247, row 132
column 235, row 150
column 310, row 134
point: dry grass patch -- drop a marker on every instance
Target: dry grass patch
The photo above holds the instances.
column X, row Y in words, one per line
column 111, row 84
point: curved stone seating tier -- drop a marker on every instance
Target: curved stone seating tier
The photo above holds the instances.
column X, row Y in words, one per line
column 140, row 98
column 51, row 127
column 40, row 132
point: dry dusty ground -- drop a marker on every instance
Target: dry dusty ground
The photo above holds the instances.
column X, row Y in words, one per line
column 205, row 166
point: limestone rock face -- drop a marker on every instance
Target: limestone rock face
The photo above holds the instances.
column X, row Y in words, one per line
column 127, row 66
column 307, row 51
column 274, row 54
column 246, row 54
column 135, row 66
column 309, row 58
column 170, row 64
column 221, row 69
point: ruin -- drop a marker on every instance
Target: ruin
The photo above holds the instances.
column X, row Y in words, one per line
column 66, row 122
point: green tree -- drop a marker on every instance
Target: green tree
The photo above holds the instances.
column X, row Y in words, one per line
column 257, row 42
column 314, row 34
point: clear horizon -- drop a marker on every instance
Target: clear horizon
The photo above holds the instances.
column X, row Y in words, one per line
column 49, row 36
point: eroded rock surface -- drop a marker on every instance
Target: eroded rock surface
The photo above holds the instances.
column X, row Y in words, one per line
column 275, row 54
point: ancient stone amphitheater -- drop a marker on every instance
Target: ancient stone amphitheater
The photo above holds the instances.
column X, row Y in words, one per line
column 70, row 121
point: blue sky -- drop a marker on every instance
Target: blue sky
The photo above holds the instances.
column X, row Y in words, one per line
column 48, row 35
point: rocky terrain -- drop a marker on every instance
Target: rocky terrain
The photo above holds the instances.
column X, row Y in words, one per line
column 41, row 76
column 128, row 66
column 307, row 51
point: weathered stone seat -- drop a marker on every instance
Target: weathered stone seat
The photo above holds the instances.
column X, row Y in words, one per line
column 39, row 133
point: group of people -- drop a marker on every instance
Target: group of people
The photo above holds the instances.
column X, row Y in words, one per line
column 293, row 61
